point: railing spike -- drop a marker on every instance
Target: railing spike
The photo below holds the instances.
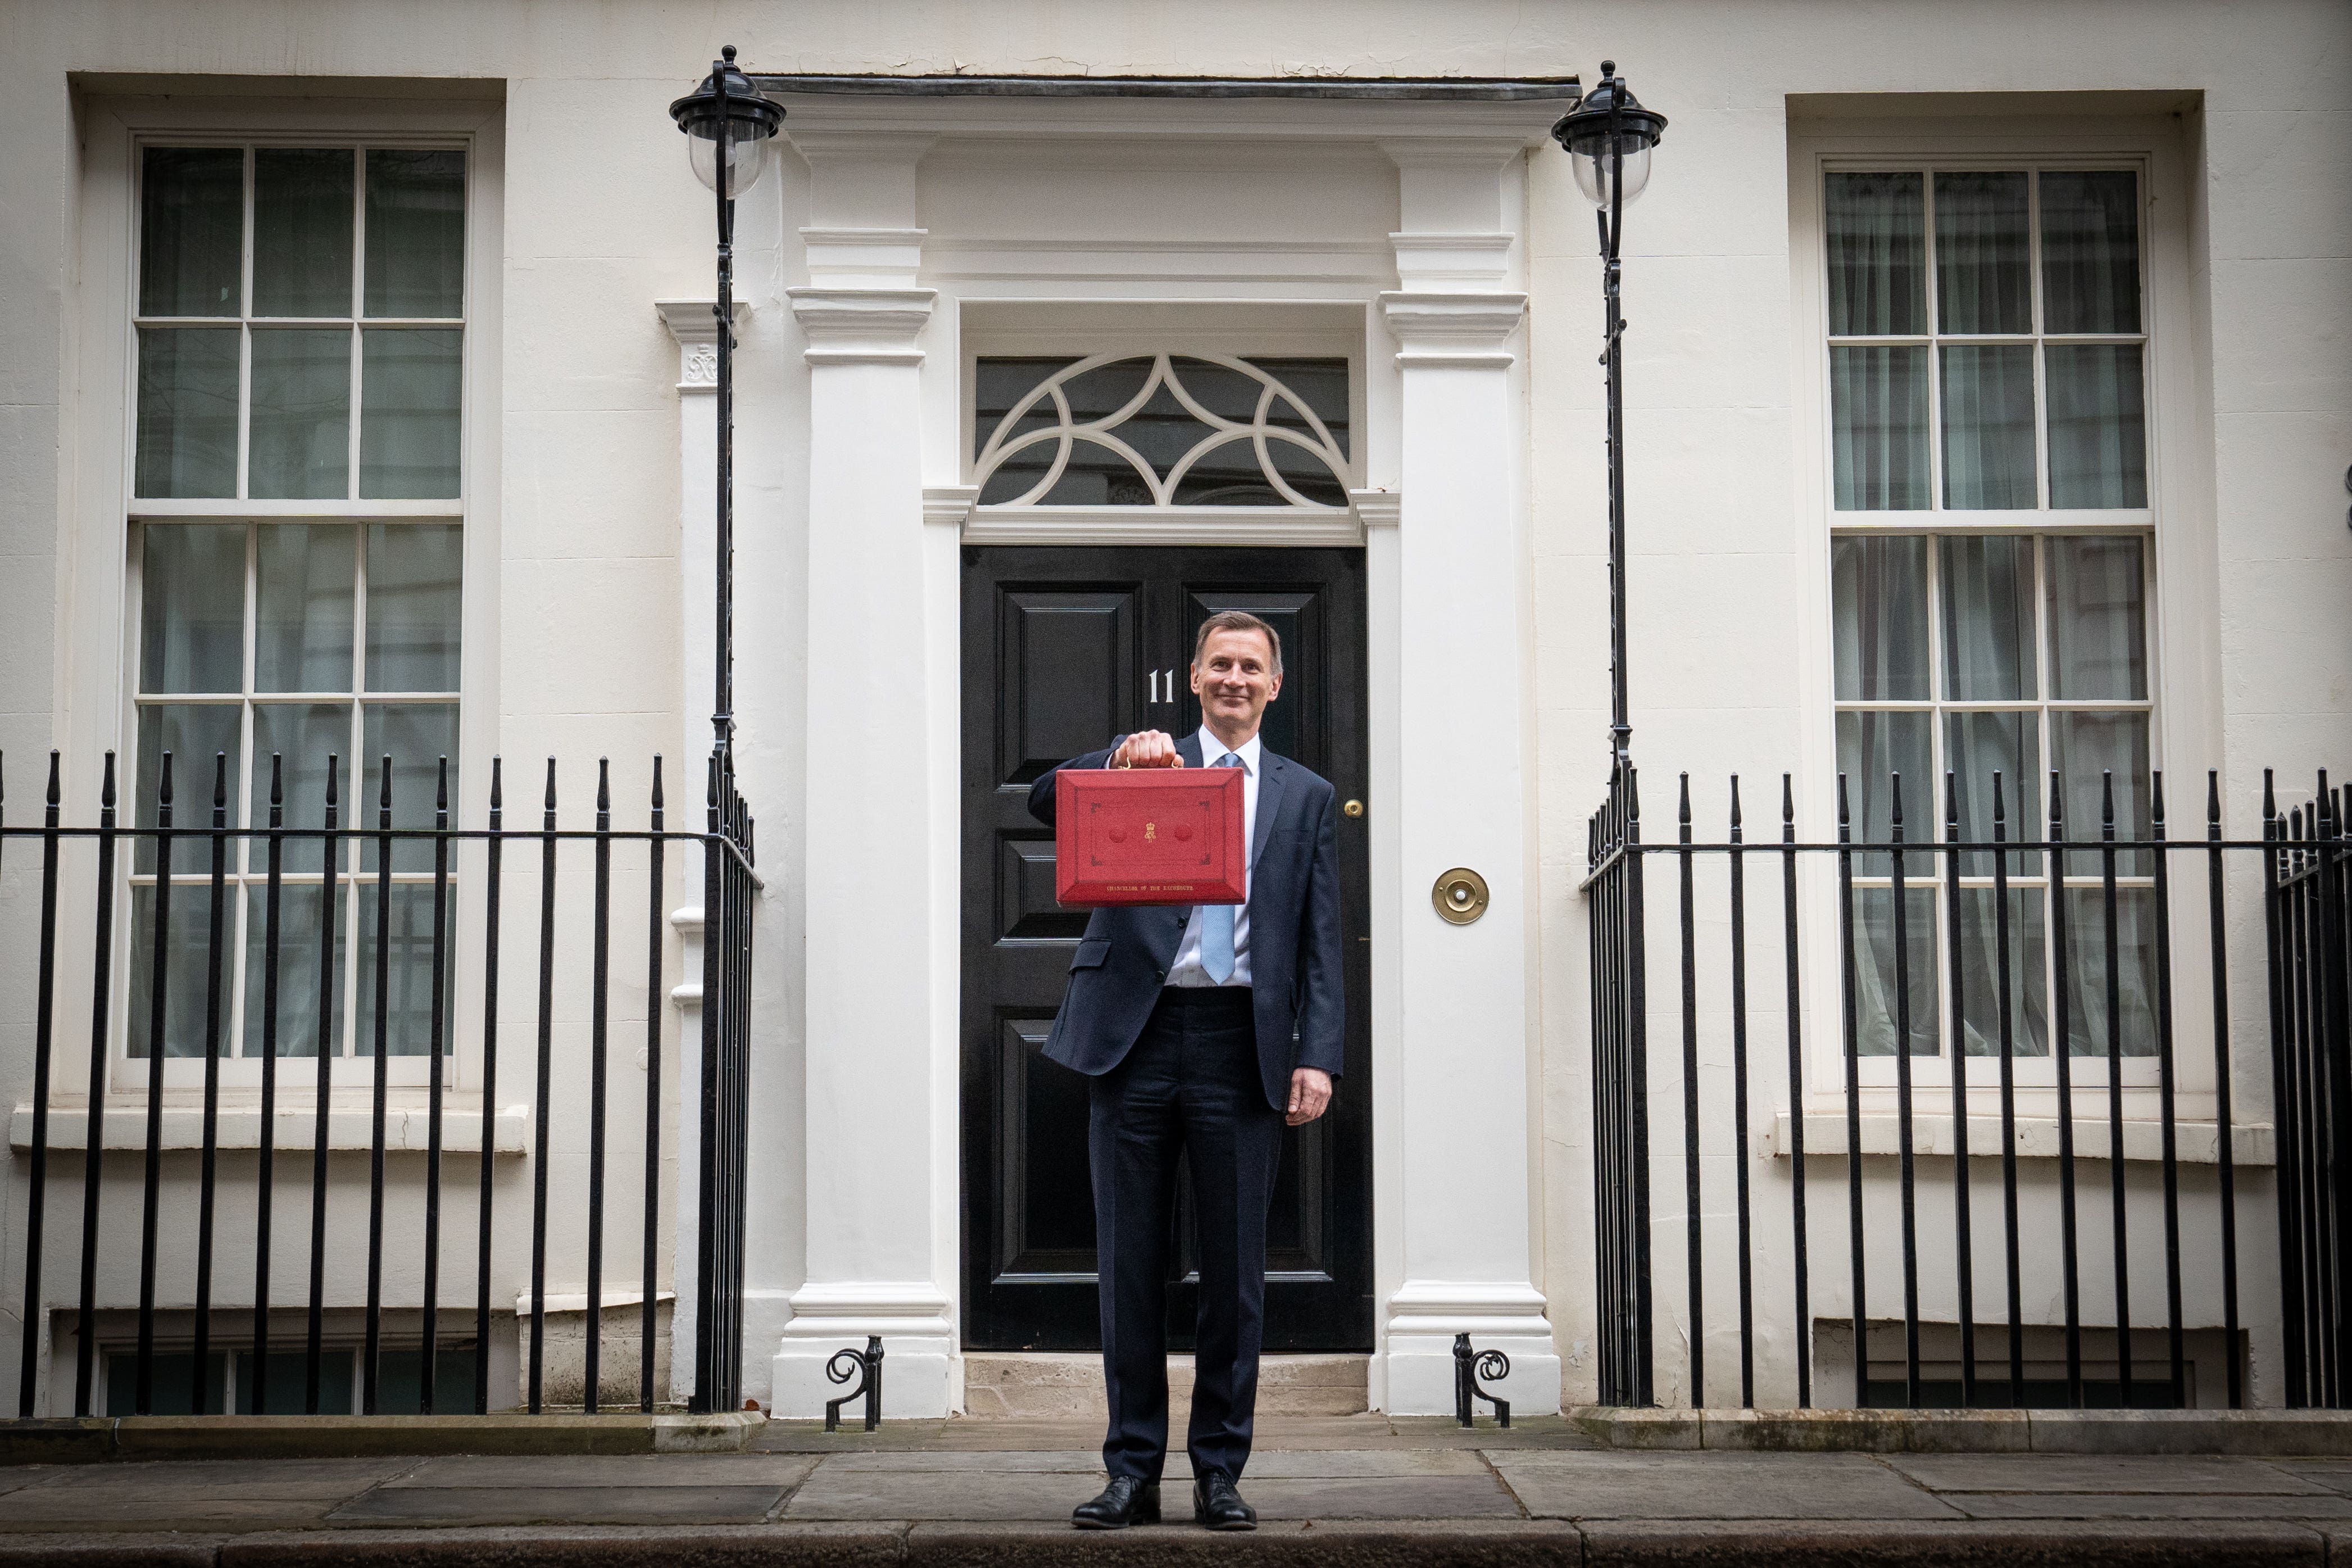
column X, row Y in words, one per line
column 1734, row 803
column 657, row 781
column 1788, row 808
column 1682, row 813
column 164, row 784
column 1951, row 803
column 56, row 797
column 106, row 789
column 2000, row 809
column 2155, row 803
column 331, row 760
column 384, row 789
column 1845, row 812
column 277, row 781
column 550, row 806
column 2106, row 803
column 441, row 790
column 2270, row 799
column 220, row 781
column 1895, row 804
column 2213, row 802
column 497, row 783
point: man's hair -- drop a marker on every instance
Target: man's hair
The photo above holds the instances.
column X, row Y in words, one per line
column 1239, row 621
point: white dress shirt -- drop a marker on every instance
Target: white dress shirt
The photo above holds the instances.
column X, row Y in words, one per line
column 1187, row 970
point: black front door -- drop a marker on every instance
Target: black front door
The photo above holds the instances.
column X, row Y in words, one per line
column 1064, row 649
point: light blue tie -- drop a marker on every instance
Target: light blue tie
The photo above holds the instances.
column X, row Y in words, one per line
column 1217, row 921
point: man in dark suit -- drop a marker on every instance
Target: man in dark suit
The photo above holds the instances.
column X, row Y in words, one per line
column 1206, row 1029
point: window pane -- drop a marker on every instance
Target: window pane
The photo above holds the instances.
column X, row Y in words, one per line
column 1322, row 384
column 1096, row 476
column 1871, row 748
column 1984, row 277
column 409, row 386
column 187, row 945
column 302, row 231
column 302, row 414
column 2098, row 425
column 1877, row 260
column 192, row 621
column 408, row 989
column 190, row 230
column 1989, row 427
column 1880, row 588
column 2090, row 251
column 2097, row 618
column 1875, row 972
column 998, row 383
column 2028, row 982
column 286, row 1388
column 302, row 736
column 414, row 573
column 170, row 1372
column 1878, row 428
column 2087, row 1015
column 302, row 615
column 416, row 232
column 195, row 733
column 299, row 939
column 1977, row 746
column 187, row 411
column 2089, row 746
column 1987, row 593
column 416, row 736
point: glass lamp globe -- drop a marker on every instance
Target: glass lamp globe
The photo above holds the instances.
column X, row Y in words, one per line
column 1586, row 133
column 728, row 123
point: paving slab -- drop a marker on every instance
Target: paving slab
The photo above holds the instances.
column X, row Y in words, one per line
column 2332, row 1473
column 251, row 1495
column 612, row 1470
column 2148, row 1505
column 1367, row 1497
column 1973, row 1543
column 2097, row 1473
column 1690, row 1486
column 1075, row 1461
column 1310, row 1464
column 937, row 1495
column 561, row 1505
column 1494, row 1543
column 577, row 1546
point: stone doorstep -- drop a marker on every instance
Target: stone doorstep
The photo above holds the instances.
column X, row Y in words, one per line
column 2293, row 1433
column 1045, row 1385
column 98, row 1439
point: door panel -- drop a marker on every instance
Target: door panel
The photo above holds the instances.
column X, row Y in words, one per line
column 1064, row 649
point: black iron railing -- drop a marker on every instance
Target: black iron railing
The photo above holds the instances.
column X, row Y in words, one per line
column 287, row 905
column 1974, row 974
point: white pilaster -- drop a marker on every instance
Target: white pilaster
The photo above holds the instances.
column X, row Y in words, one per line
column 1469, row 1261
column 879, row 1141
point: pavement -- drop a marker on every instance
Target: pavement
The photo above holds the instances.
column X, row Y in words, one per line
column 1356, row 1489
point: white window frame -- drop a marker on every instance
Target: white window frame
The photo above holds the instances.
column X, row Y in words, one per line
column 2176, row 523
column 105, row 608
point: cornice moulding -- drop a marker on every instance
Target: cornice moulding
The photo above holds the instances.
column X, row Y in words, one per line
column 1453, row 330
column 862, row 326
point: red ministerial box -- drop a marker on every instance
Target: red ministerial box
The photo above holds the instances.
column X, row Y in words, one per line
column 1149, row 835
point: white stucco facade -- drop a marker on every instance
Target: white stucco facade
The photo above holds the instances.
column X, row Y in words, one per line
column 1441, row 247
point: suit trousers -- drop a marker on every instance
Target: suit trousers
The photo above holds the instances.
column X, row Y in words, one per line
column 1189, row 1086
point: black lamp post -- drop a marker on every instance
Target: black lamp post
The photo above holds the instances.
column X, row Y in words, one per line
column 728, row 123
column 1609, row 136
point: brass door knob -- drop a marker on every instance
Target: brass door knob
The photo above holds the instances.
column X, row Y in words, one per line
column 1460, row 896
column 1353, row 808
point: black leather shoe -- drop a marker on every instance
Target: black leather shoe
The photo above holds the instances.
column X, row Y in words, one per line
column 1217, row 1502
column 1129, row 1499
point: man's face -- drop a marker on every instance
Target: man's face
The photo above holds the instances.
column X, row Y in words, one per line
column 1235, row 680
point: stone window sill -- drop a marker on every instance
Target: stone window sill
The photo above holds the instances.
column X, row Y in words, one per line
column 406, row 1129
column 2196, row 1143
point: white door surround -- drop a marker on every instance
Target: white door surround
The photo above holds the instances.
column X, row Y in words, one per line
column 1400, row 216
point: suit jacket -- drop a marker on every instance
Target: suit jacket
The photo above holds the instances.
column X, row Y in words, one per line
column 1294, row 952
